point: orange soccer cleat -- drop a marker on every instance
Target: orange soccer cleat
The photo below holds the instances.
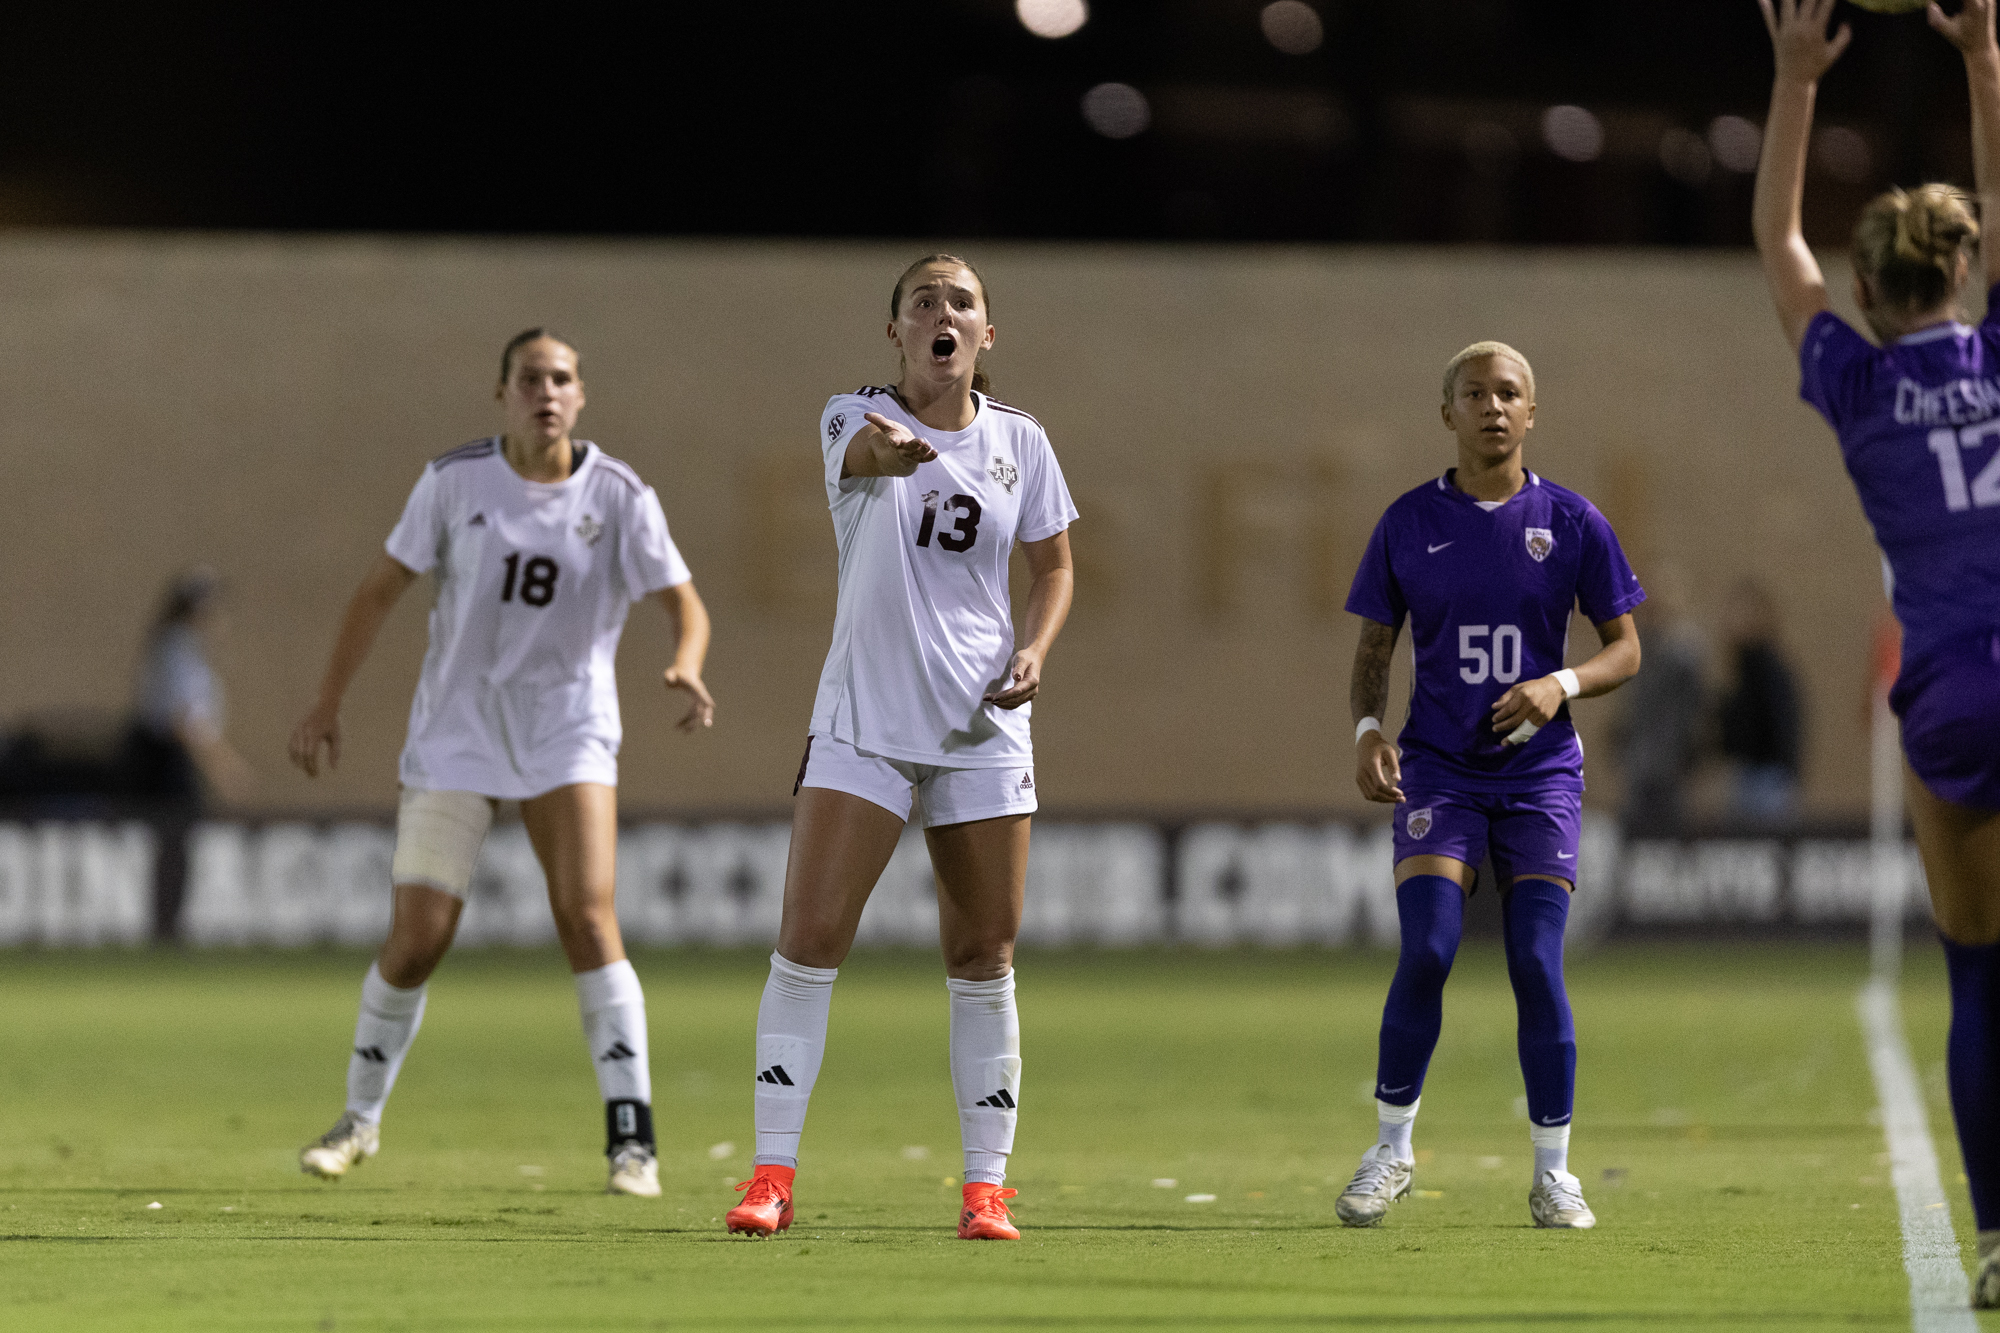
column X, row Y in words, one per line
column 985, row 1216
column 767, row 1207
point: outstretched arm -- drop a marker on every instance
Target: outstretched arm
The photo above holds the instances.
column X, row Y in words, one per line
column 1378, row 770
column 1971, row 31
column 690, row 617
column 1804, row 52
column 370, row 606
column 884, row 448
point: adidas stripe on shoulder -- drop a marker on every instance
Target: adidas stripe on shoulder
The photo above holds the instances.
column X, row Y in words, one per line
column 476, row 449
column 620, row 469
column 999, row 406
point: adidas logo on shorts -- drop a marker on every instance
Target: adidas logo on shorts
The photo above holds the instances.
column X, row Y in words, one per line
column 1027, row 782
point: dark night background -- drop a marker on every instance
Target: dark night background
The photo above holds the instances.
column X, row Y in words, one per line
column 1414, row 121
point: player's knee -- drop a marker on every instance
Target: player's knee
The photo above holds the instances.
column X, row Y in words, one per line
column 979, row 960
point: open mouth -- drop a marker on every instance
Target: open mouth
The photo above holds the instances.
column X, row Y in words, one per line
column 943, row 346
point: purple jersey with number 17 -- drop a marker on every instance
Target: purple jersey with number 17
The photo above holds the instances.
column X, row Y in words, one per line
column 1919, row 428
column 1488, row 596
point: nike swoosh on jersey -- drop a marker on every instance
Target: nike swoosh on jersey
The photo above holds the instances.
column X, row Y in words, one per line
column 1565, row 856
column 1433, row 550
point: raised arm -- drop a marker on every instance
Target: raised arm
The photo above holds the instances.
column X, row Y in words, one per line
column 369, row 607
column 1803, row 53
column 690, row 618
column 1378, row 770
column 1971, row 31
column 884, row 448
column 1049, row 597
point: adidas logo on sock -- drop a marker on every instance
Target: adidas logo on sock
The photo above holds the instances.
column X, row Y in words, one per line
column 999, row 1101
column 372, row 1053
column 619, row 1051
column 775, row 1074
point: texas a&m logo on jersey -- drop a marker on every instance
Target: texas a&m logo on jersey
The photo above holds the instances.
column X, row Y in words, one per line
column 833, row 426
column 1418, row 823
column 1540, row 542
column 1005, row 473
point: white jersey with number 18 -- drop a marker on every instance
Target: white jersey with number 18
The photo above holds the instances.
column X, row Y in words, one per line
column 924, row 627
column 518, row 694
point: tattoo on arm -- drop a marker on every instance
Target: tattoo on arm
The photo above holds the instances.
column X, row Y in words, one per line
column 1368, row 693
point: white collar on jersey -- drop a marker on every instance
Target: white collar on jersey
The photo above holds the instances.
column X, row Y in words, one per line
column 1954, row 329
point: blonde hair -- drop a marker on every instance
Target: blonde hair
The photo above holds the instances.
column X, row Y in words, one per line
column 1487, row 348
column 1908, row 244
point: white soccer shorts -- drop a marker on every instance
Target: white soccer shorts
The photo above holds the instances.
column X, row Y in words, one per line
column 437, row 838
column 948, row 795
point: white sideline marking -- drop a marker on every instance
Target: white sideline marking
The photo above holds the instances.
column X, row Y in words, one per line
column 1940, row 1295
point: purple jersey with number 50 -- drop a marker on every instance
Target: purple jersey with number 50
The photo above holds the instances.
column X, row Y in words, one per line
column 1488, row 596
column 1919, row 428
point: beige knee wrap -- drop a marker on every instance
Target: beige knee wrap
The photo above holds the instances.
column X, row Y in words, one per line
column 437, row 838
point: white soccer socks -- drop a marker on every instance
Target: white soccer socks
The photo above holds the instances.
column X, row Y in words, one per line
column 791, row 1043
column 1395, row 1124
column 383, row 1032
column 1551, row 1147
column 614, row 1024
column 985, row 1073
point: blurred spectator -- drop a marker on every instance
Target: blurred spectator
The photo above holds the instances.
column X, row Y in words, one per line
column 1760, row 715
column 175, row 750
column 1658, row 736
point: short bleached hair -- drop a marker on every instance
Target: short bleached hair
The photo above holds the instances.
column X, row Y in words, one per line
column 1488, row 348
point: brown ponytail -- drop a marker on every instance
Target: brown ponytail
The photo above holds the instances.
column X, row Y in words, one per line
column 1908, row 245
column 980, row 381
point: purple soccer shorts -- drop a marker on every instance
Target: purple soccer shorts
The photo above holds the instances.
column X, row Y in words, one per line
column 1950, row 705
column 1528, row 833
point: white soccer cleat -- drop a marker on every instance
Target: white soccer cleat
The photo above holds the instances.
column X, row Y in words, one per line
column 634, row 1170
column 1380, row 1181
column 348, row 1142
column 1557, row 1201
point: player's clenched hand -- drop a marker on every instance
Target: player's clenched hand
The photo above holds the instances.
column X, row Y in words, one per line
column 1799, row 39
column 1377, row 769
column 1024, row 681
column 700, row 713
column 909, row 449
column 1970, row 29
column 320, row 727
column 1533, row 701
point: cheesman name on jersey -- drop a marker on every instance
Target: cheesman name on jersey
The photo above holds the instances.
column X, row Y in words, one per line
column 924, row 627
column 518, row 694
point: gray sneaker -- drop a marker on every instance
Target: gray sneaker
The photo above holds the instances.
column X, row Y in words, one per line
column 1557, row 1201
column 1986, row 1286
column 349, row 1141
column 634, row 1170
column 1379, row 1182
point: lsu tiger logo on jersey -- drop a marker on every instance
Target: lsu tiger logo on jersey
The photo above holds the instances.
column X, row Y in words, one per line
column 590, row 530
column 833, row 426
column 1540, row 542
column 1005, row 473
column 1418, row 823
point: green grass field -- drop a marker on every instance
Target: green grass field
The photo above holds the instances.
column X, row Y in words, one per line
column 1724, row 1136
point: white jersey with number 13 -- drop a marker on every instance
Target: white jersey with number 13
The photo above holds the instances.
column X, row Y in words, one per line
column 924, row 627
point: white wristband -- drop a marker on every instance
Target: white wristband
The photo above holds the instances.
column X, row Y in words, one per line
column 1567, row 679
column 1366, row 725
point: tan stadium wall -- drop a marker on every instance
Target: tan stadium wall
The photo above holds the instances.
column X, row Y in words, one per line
column 1232, row 422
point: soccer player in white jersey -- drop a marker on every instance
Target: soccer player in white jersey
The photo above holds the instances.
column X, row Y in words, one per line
column 924, row 700
column 541, row 544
